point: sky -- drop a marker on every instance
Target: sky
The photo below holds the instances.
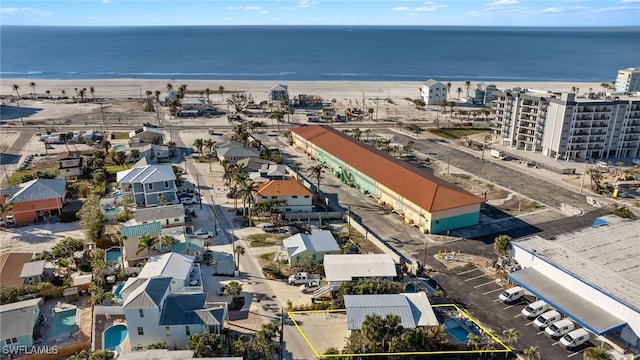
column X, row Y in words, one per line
column 321, row 12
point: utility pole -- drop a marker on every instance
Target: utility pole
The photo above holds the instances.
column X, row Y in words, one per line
column 426, row 247
column 281, row 352
column 215, row 222
column 519, row 198
column 198, row 187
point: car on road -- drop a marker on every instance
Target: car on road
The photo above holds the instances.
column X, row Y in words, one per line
column 184, row 195
column 309, row 287
column 188, row 201
column 202, row 233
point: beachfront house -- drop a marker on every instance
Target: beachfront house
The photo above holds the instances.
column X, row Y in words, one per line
column 36, row 200
column 19, row 321
column 285, row 195
column 133, row 233
column 191, row 107
column 307, row 249
column 279, row 92
column 150, row 185
column 166, row 303
column 414, row 309
column 70, row 164
column 433, row 92
column 145, row 135
column 340, row 268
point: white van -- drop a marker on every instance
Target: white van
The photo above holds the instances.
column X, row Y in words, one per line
column 511, row 295
column 546, row 319
column 575, row 338
column 559, row 328
column 534, row 309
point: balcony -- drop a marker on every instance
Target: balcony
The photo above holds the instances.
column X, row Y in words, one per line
column 193, row 283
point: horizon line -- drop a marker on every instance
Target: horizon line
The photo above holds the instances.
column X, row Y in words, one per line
column 331, row 25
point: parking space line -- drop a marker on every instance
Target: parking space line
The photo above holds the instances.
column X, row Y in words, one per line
column 541, row 332
column 475, row 277
column 492, row 291
column 576, row 353
column 485, row 284
column 555, row 343
column 468, row 271
column 529, row 323
column 515, row 316
column 508, row 307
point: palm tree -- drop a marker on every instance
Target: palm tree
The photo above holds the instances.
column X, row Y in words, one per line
column 33, row 88
column 166, row 242
column 64, row 137
column 238, row 250
column 459, row 91
column 157, row 95
column 532, row 353
column 199, row 144
column 467, row 85
column 208, row 143
column 473, row 341
column 511, row 335
column 64, row 93
column 502, row 244
column 246, row 192
column 120, row 239
column 207, row 91
column 135, row 154
column 221, row 91
column 595, row 175
column 48, row 92
column 233, row 289
column 16, row 88
column 146, row 242
column 316, row 172
column 596, row 353
column 449, row 89
column 106, row 145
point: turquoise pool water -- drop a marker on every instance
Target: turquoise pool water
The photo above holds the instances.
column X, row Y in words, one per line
column 114, row 336
column 456, row 330
column 64, row 323
column 113, row 255
column 117, row 290
column 113, row 211
column 120, row 147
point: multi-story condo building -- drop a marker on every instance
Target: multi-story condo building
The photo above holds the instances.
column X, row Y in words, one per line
column 433, row 92
column 563, row 127
column 628, row 80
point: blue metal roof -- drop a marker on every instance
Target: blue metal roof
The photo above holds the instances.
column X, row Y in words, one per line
column 584, row 312
column 134, row 231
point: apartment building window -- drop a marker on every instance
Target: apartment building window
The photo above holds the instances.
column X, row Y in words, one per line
column 150, row 186
column 167, row 330
column 295, row 196
column 140, row 331
column 166, row 184
column 11, row 341
column 187, row 330
column 141, row 312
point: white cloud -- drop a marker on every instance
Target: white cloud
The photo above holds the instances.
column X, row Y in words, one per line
column 252, row 8
column 502, row 3
column 233, row 8
column 264, row 12
column 628, row 1
column 25, row 11
column 305, row 4
column 429, row 8
column 229, row 19
column 619, row 8
column 400, row 8
column 106, row 1
column 554, row 9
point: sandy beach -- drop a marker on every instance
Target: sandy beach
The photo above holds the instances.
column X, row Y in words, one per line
column 259, row 89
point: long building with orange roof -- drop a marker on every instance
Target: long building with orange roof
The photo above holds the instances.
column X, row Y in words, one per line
column 423, row 200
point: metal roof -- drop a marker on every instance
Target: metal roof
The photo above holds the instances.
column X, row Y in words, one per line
column 432, row 82
column 146, row 129
column 17, row 319
column 589, row 315
column 359, row 306
column 159, row 212
column 149, row 295
column 176, row 266
column 134, row 231
column 346, row 267
column 146, row 174
column 11, row 266
column 179, row 309
column 605, row 256
column 212, row 316
column 39, row 189
column 320, row 241
column 34, row 268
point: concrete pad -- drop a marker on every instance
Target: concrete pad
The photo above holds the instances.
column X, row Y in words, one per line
column 323, row 329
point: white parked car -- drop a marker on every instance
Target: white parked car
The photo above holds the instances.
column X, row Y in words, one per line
column 202, row 233
column 189, row 201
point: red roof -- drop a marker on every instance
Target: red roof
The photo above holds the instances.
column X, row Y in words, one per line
column 282, row 188
column 418, row 186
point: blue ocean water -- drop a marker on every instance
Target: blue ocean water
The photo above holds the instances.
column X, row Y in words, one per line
column 319, row 53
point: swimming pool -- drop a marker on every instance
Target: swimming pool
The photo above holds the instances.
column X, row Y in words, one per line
column 456, row 330
column 120, row 148
column 117, row 289
column 113, row 255
column 114, row 336
column 64, row 323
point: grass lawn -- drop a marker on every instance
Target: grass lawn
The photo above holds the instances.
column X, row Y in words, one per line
column 453, row 134
column 14, row 179
column 261, row 240
column 113, row 169
column 121, row 135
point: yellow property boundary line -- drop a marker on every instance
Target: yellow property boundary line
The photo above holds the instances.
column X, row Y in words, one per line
column 505, row 348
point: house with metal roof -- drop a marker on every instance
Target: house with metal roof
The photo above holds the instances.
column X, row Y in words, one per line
column 17, row 323
column 590, row 275
column 340, row 268
column 413, row 309
column 166, row 303
column 150, row 185
column 132, row 234
column 153, row 151
column 234, row 151
column 32, row 272
column 279, row 92
column 433, row 92
column 420, row 198
column 290, row 195
column 145, row 135
column 308, row 248
column 169, row 216
column 268, row 172
column 11, row 264
column 36, row 200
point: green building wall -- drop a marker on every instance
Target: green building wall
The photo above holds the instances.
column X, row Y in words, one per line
column 454, row 222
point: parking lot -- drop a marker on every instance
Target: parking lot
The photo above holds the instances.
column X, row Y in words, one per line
column 478, row 294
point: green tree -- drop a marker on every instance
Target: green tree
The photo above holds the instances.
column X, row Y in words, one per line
column 232, row 289
column 33, row 88
column 92, row 90
column 596, row 353
column 16, row 88
column 135, row 154
column 239, row 251
column 459, row 91
column 473, row 341
column 120, row 239
column 532, row 353
column 146, row 242
column 246, row 193
column 239, row 102
column 209, row 143
column 449, row 89
column 166, row 242
column 511, row 335
column 91, row 218
column 595, row 175
column 198, row 144
column 467, row 85
column 502, row 244
column 221, row 91
column 92, row 355
column 316, row 172
column 206, row 345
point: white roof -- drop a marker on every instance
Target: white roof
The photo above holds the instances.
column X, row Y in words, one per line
column 431, row 82
column 171, row 265
column 39, row 189
column 320, row 241
column 146, row 129
column 34, row 268
column 414, row 309
column 21, row 316
column 280, row 87
column 346, row 267
column 192, row 101
column 146, row 174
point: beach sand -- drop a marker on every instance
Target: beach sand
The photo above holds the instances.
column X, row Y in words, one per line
column 259, row 89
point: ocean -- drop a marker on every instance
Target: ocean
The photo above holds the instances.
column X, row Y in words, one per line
column 359, row 53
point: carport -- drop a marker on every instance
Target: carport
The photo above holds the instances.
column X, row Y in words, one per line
column 581, row 310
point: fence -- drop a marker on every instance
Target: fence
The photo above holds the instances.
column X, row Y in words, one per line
column 59, row 353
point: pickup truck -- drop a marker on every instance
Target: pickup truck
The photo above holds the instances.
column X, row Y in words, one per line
column 309, row 287
column 303, row 278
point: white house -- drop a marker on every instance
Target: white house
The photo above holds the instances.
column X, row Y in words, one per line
column 340, row 268
column 166, row 303
column 279, row 92
column 147, row 183
column 433, row 92
column 308, row 247
column 169, row 216
column 32, row 272
column 295, row 197
column 18, row 321
column 152, row 151
column 414, row 309
column 269, row 172
column 145, row 135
